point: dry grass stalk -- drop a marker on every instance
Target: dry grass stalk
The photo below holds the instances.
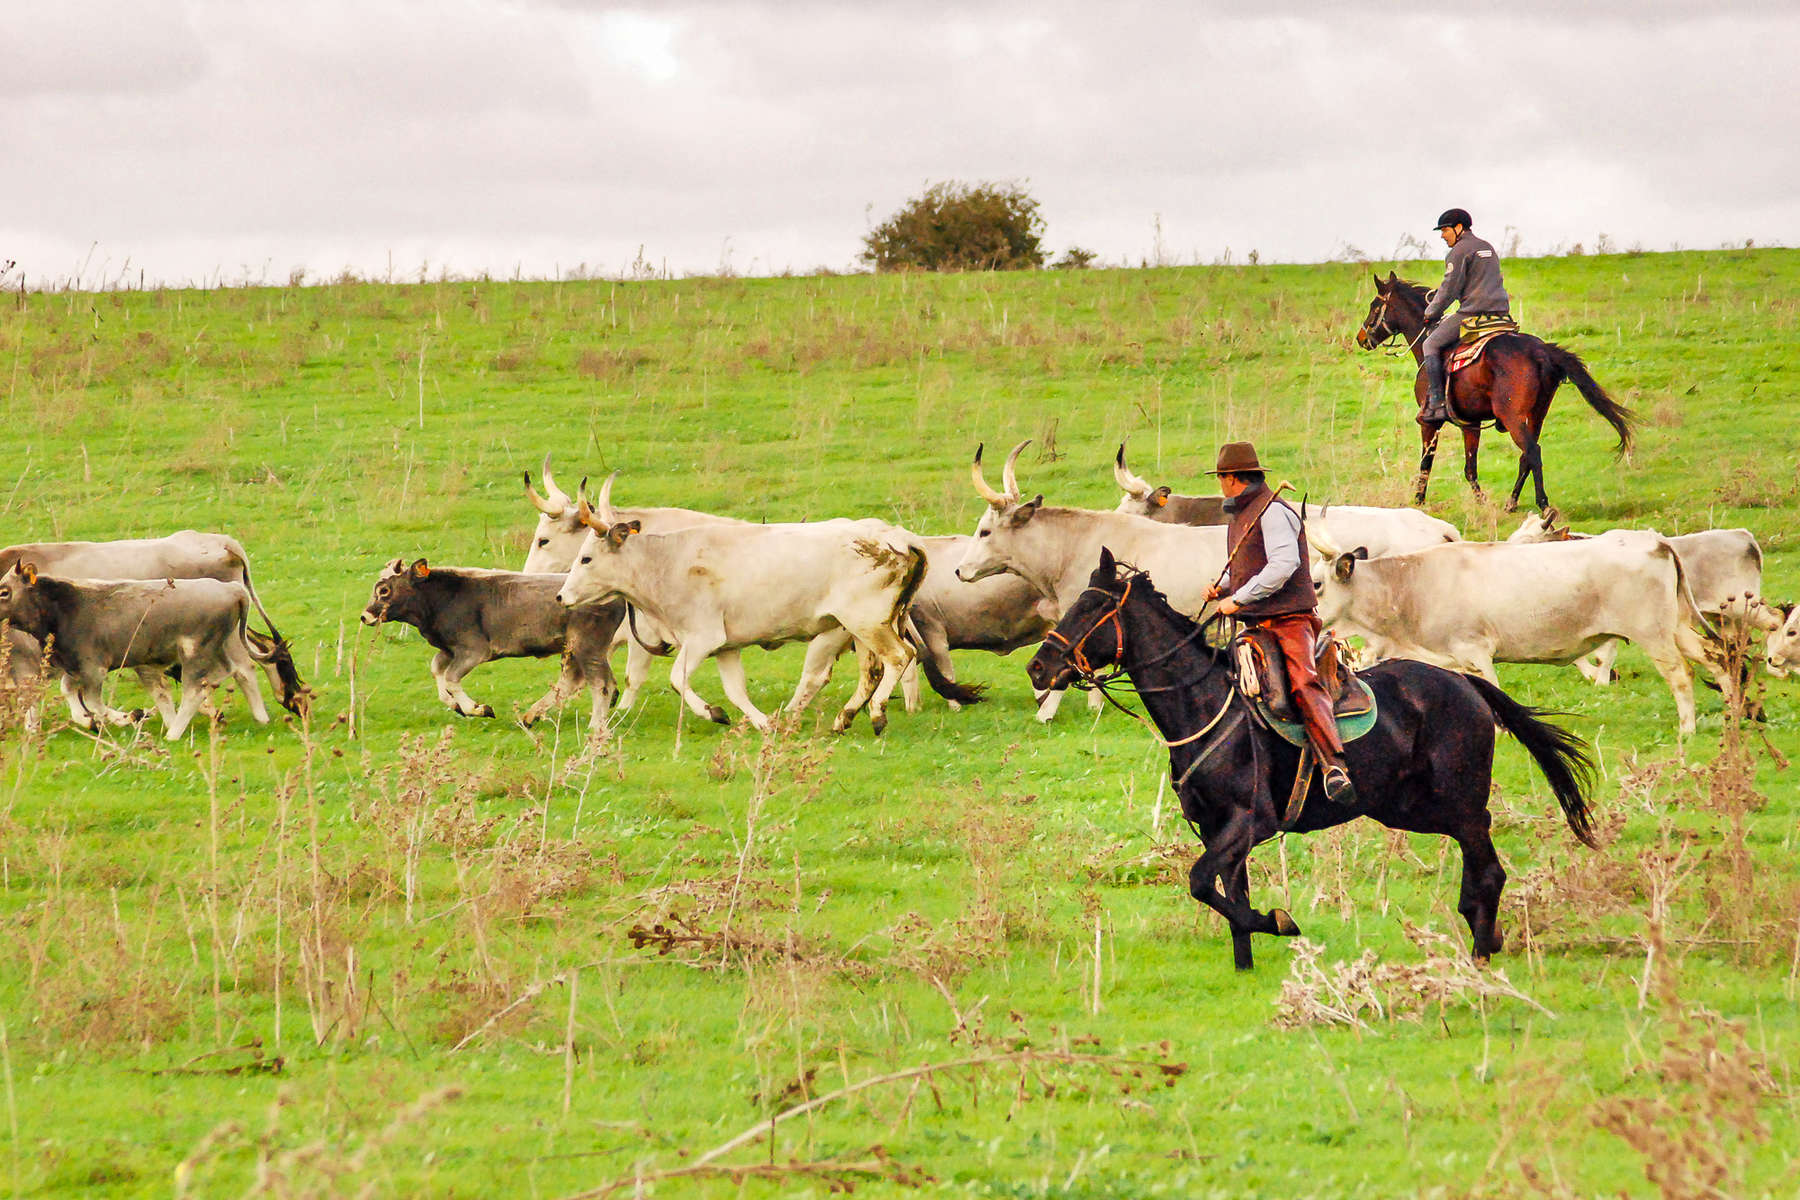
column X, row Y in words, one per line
column 1030, row 1071
column 1694, row 1127
column 1368, row 990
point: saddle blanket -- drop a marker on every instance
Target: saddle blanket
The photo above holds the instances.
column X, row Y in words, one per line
column 1477, row 332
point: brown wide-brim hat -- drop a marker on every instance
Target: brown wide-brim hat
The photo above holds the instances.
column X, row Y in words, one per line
column 1236, row 458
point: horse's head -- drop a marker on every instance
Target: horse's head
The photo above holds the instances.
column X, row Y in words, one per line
column 1090, row 636
column 1388, row 307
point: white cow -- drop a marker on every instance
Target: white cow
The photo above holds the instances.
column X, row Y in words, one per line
column 1784, row 643
column 1468, row 605
column 721, row 588
column 1055, row 549
column 1723, row 568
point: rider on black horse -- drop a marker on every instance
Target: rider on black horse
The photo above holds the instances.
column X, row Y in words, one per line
column 1267, row 550
column 1472, row 280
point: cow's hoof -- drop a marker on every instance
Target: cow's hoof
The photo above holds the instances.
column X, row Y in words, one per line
column 878, row 723
column 842, row 722
column 1284, row 924
column 717, row 715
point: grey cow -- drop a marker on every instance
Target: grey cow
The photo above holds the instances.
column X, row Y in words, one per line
column 188, row 554
column 93, row 627
column 473, row 616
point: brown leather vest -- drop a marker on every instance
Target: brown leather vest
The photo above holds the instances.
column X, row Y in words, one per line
column 1249, row 557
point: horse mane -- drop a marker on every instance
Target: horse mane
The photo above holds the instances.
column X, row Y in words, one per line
column 1413, row 291
column 1145, row 587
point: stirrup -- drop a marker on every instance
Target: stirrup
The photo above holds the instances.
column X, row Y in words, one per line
column 1338, row 788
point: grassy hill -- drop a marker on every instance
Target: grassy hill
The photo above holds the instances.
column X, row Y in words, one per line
column 429, row 921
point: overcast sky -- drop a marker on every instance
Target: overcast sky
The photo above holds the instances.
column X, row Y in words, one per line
column 236, row 139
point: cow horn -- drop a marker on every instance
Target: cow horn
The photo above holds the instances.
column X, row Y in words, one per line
column 994, row 499
column 1132, row 485
column 604, row 506
column 1321, row 542
column 1008, row 479
column 538, row 502
column 556, row 494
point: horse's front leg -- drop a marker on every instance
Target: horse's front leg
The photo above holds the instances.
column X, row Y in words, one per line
column 1220, row 879
column 1471, row 451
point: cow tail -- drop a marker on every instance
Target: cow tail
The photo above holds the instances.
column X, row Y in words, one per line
column 1685, row 596
column 1560, row 755
column 949, row 689
column 910, row 580
column 1566, row 364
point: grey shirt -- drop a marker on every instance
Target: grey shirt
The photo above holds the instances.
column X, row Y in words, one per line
column 1471, row 279
column 1280, row 526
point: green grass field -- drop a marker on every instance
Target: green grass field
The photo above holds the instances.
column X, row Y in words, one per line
column 393, row 952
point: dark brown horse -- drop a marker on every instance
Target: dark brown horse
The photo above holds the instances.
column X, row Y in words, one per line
column 1511, row 384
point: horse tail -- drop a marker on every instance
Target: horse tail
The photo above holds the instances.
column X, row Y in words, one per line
column 1566, row 364
column 1560, row 755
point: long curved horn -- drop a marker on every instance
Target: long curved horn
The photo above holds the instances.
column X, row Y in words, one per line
column 1321, row 541
column 1008, row 478
column 556, row 494
column 1134, row 486
column 604, row 504
column 538, row 502
column 994, row 499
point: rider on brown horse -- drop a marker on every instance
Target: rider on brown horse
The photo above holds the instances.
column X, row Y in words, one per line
column 1267, row 550
column 1472, row 280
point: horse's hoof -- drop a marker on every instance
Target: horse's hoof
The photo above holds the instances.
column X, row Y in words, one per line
column 1284, row 924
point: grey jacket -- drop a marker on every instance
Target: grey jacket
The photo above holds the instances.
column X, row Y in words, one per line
column 1471, row 278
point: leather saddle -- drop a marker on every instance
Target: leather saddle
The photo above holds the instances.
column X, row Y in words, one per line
column 1477, row 332
column 1262, row 677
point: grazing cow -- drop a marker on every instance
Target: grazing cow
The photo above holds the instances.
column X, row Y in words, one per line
column 185, row 555
column 1467, row 605
column 720, row 588
column 1784, row 643
column 1380, row 530
column 93, row 627
column 1054, row 549
column 472, row 616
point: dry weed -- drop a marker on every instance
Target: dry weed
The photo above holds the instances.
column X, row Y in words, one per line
column 1367, row 990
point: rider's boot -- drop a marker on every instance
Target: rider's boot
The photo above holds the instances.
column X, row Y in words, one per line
column 1437, row 379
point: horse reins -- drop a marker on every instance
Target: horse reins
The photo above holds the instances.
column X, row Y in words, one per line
column 1094, row 680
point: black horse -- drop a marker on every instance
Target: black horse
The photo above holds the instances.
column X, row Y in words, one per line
column 1425, row 766
column 1511, row 385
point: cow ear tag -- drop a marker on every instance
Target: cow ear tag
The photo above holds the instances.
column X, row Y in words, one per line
column 1161, row 497
column 420, row 569
column 29, row 571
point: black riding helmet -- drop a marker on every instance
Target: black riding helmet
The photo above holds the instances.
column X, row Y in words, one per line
column 1455, row 216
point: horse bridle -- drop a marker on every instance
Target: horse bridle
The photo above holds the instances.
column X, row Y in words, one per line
column 1380, row 321
column 1091, row 678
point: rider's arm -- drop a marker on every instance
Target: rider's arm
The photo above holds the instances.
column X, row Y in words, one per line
column 1280, row 527
column 1451, row 288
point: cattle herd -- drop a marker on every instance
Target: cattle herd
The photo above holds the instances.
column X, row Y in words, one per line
column 662, row 581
